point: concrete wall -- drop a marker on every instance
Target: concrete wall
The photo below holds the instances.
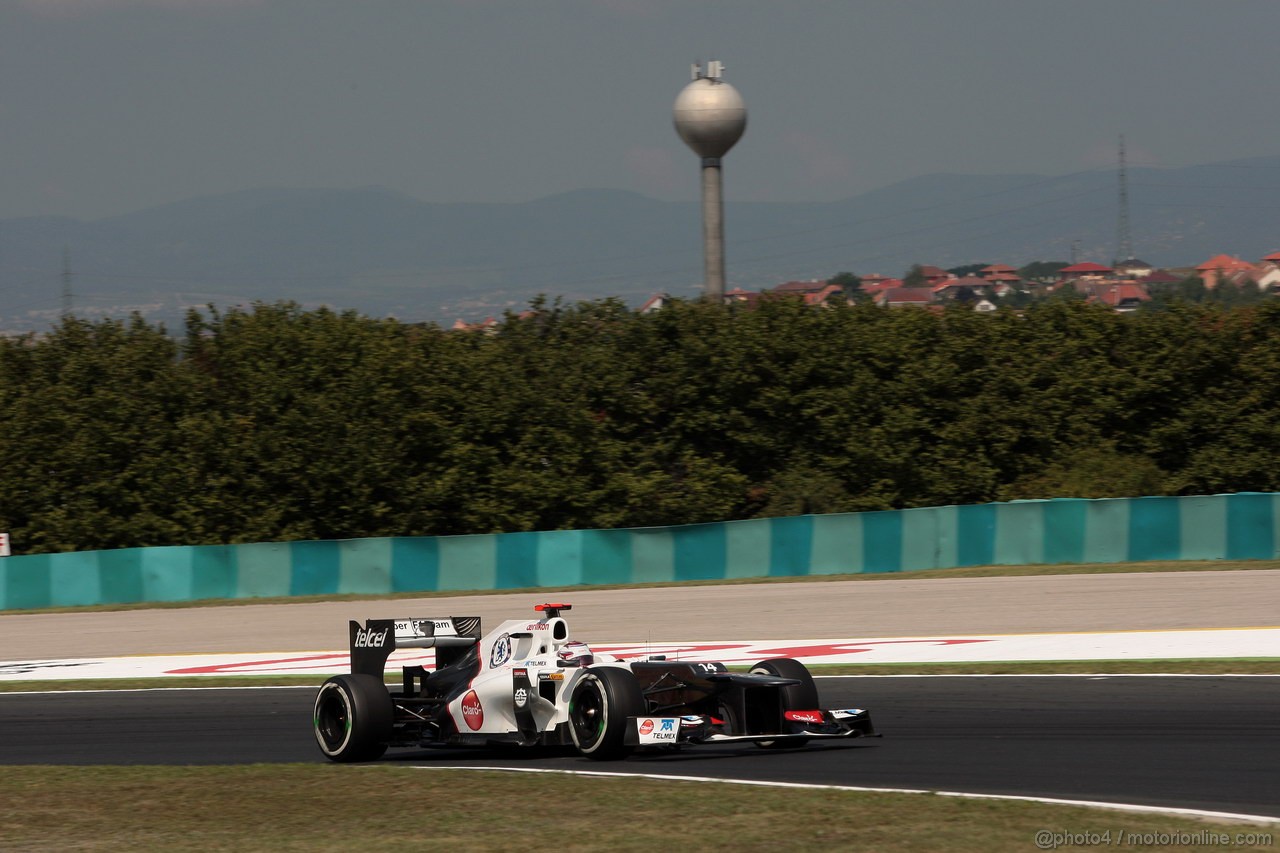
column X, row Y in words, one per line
column 1215, row 527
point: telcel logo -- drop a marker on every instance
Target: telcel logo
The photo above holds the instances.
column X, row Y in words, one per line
column 367, row 638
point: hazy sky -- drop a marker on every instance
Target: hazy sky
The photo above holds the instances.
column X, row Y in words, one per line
column 109, row 106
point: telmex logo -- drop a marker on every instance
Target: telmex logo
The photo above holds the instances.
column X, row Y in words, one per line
column 369, row 639
column 472, row 712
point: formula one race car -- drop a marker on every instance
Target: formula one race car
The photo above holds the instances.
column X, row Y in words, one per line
column 527, row 683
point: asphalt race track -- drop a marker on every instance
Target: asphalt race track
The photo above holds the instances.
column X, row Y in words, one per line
column 1206, row 743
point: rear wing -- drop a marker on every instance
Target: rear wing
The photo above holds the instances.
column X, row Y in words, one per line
column 373, row 643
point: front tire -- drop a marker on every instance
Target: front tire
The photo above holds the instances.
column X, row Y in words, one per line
column 352, row 718
column 795, row 697
column 602, row 701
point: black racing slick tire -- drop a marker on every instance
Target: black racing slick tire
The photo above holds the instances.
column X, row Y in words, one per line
column 353, row 717
column 795, row 697
column 602, row 701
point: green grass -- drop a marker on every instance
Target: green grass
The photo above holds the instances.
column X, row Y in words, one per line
column 967, row 572
column 333, row 808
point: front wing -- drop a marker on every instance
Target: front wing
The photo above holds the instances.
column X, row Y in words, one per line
column 695, row 729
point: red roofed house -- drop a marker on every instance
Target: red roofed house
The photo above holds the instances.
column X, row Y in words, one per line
column 880, row 285
column 813, row 292
column 800, row 288
column 1268, row 275
column 934, row 275
column 967, row 289
column 1133, row 268
column 655, row 303
column 1000, row 273
column 899, row 297
column 1124, row 296
column 1086, row 270
column 820, row 297
column 1223, row 267
column 740, row 296
column 488, row 325
column 1161, row 277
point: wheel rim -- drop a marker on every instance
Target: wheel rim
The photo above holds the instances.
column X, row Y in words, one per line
column 588, row 714
column 332, row 719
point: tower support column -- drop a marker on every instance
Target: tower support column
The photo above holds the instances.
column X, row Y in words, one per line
column 713, row 229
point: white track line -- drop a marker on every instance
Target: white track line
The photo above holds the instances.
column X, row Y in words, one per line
column 1172, row 811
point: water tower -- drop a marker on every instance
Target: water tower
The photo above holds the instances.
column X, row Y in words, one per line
column 710, row 117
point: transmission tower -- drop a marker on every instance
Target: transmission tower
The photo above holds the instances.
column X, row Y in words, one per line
column 66, row 283
column 1124, row 240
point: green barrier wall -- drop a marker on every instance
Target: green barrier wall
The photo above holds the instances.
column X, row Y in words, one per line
column 1214, row 527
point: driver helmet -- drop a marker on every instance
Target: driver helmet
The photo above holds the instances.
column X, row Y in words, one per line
column 576, row 650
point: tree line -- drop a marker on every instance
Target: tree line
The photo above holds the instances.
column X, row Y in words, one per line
column 278, row 423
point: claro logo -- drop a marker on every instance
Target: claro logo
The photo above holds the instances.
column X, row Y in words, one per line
column 369, row 639
column 472, row 712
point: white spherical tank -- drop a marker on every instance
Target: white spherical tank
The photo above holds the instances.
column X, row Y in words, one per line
column 710, row 116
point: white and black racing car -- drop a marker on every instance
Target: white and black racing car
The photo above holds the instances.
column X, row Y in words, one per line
column 528, row 683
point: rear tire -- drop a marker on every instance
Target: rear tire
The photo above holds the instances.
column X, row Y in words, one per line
column 352, row 718
column 602, row 701
column 795, row 697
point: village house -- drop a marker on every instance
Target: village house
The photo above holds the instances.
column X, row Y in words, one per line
column 902, row 297
column 1124, row 288
column 800, row 288
column 738, row 296
column 934, row 275
column 488, row 325
column 1087, row 270
column 655, row 303
column 1123, row 296
column 1000, row 274
column 1161, row 277
column 1268, row 275
column 879, row 285
column 968, row 289
column 1133, row 268
column 1225, row 269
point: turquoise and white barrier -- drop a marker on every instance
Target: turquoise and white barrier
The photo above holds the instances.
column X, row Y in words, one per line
column 1215, row 527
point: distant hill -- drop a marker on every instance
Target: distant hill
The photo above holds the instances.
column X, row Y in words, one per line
column 383, row 252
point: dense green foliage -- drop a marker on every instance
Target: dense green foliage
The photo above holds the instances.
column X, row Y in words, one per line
column 967, row 269
column 1042, row 271
column 1192, row 290
column 278, row 423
